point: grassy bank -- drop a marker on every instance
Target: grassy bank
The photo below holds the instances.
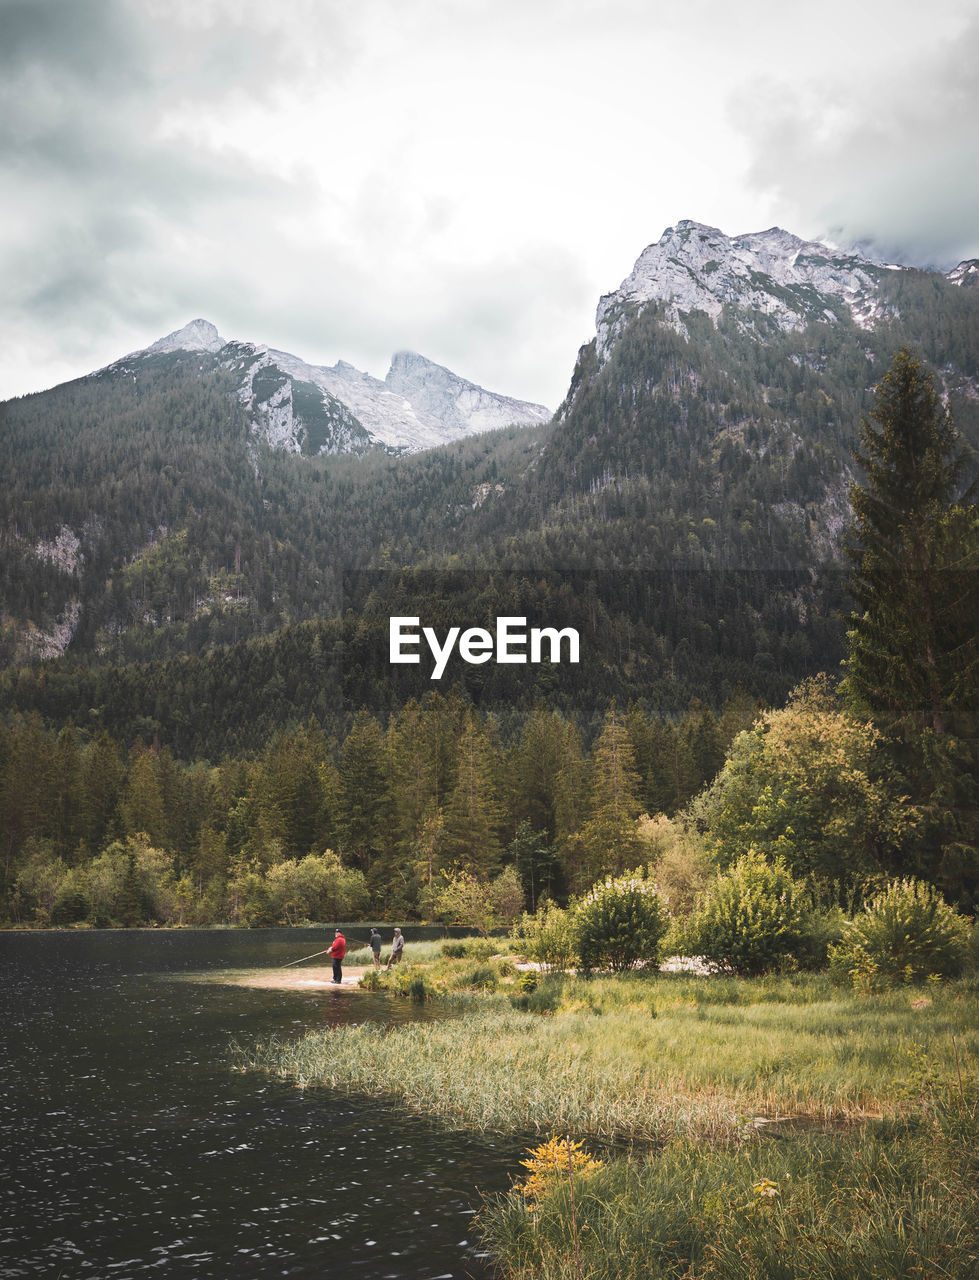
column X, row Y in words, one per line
column 866, row 1163
column 651, row 1059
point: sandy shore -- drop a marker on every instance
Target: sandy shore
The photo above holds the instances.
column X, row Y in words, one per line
column 311, row 978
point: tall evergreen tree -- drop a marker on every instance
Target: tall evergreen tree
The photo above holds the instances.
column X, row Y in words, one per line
column 473, row 815
column 913, row 649
column 609, row 840
column 364, row 798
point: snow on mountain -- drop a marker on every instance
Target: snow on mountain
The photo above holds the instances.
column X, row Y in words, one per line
column 418, row 405
column 698, row 268
column 308, row 408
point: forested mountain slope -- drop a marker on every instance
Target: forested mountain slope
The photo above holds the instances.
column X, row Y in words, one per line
column 685, row 509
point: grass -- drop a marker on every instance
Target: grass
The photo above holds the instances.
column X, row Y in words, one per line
column 898, row 1201
column 416, row 952
column 866, row 1169
column 649, row 1059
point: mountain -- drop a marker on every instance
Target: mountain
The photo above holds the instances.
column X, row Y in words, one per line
column 214, row 511
column 693, row 267
column 314, row 409
column 727, row 379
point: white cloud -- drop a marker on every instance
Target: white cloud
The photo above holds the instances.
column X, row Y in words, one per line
column 886, row 162
column 464, row 177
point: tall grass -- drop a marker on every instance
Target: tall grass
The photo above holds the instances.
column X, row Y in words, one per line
column 780, row 1128
column 899, row 1201
column 649, row 1060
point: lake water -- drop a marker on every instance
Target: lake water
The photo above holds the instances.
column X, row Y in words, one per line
column 132, row 1147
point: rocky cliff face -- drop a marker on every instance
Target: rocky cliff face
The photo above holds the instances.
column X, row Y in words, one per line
column 693, row 267
column 729, row 375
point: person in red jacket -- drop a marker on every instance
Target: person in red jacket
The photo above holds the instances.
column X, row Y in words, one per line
column 337, row 952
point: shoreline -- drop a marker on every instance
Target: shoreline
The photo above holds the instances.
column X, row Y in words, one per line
column 315, row 978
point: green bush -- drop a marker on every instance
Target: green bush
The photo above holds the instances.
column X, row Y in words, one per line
column 71, row 903
column 372, row 980
column 972, row 949
column 547, row 938
column 620, row 922
column 908, row 932
column 542, row 998
column 470, row 949
column 482, row 977
column 754, row 918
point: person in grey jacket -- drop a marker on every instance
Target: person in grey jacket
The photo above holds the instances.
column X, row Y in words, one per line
column 397, row 948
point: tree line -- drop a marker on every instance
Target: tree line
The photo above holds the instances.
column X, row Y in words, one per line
column 433, row 791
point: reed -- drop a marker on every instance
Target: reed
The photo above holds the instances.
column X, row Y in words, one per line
column 776, row 1127
column 896, row 1202
column 646, row 1060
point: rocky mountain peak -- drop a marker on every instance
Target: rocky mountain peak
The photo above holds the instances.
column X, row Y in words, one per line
column 197, row 335
column 437, row 395
column 694, row 267
column 406, row 361
column 308, row 408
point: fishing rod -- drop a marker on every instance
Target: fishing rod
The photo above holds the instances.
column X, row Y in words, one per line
column 302, row 958
column 324, row 952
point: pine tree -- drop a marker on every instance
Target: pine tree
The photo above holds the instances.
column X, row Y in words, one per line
column 610, row 839
column 473, row 815
column 913, row 650
column 142, row 803
column 364, row 797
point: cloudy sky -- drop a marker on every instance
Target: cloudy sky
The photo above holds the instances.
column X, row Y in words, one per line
column 465, row 178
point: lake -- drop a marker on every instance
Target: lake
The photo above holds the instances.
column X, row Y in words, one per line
column 132, row 1145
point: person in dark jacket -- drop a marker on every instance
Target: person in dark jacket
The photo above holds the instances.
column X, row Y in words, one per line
column 337, row 952
column 376, row 948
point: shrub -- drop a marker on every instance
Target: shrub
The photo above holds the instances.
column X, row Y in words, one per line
column 461, row 898
column 905, row 933
column 754, row 918
column 619, row 922
column 677, row 860
column 551, row 1161
column 808, row 784
column 972, row 949
column 482, row 977
column 317, row 887
column 545, row 997
column 469, row 949
column 548, row 938
column 70, row 903
column 372, row 980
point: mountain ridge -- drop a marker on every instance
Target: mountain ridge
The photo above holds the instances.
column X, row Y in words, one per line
column 341, row 409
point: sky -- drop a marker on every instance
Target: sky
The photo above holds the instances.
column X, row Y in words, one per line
column 342, row 179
